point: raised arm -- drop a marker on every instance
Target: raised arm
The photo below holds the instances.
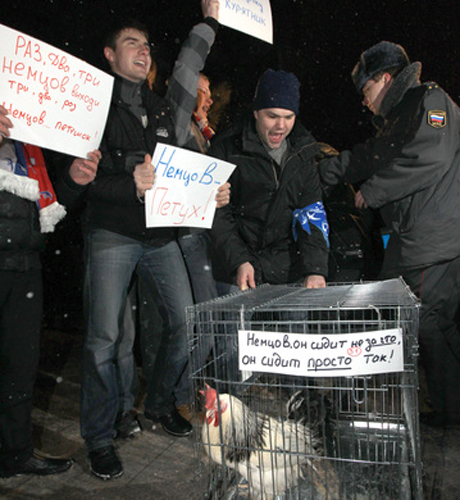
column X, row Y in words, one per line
column 183, row 83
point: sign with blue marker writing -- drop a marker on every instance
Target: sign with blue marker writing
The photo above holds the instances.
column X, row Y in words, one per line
column 321, row 355
column 253, row 17
column 185, row 188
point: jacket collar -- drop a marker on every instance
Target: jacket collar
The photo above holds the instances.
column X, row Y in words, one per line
column 299, row 139
column 150, row 99
column 408, row 78
column 119, row 83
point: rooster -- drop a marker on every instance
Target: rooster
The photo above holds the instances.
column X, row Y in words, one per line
column 269, row 453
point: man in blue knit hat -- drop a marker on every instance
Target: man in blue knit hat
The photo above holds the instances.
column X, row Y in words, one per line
column 274, row 230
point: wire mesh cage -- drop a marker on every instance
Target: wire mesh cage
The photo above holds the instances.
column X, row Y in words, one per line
column 308, row 394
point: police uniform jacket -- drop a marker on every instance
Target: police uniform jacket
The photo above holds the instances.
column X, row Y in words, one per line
column 411, row 172
column 256, row 226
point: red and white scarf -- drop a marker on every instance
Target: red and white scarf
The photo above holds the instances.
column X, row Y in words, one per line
column 203, row 125
column 23, row 173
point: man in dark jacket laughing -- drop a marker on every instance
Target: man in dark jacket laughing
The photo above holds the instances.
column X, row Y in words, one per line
column 274, row 230
column 118, row 243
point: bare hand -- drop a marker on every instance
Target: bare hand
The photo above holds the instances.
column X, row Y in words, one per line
column 223, row 195
column 210, row 8
column 83, row 170
column 314, row 281
column 360, row 202
column 245, row 277
column 5, row 123
column 144, row 176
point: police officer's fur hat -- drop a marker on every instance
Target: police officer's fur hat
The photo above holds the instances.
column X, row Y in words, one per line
column 379, row 57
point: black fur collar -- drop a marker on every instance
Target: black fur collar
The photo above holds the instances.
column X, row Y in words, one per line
column 409, row 77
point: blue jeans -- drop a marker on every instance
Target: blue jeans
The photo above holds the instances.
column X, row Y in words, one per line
column 107, row 355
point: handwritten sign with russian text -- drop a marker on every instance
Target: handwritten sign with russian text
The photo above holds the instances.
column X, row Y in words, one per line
column 334, row 355
column 185, row 188
column 54, row 99
column 253, row 17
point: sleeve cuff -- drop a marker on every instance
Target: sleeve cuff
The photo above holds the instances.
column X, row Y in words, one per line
column 212, row 22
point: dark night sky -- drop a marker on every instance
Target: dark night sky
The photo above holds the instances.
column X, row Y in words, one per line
column 320, row 40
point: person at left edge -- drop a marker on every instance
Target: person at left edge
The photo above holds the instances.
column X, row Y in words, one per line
column 28, row 211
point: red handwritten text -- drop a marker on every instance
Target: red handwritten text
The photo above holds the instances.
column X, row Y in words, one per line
column 90, row 101
column 28, row 49
column 59, row 62
column 23, row 71
column 27, row 117
column 164, row 205
column 88, row 78
column 71, row 131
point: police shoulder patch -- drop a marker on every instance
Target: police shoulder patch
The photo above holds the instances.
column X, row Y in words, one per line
column 437, row 118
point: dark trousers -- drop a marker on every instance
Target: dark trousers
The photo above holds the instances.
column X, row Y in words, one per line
column 438, row 287
column 195, row 251
column 20, row 322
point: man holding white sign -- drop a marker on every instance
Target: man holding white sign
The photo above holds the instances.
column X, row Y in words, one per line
column 119, row 244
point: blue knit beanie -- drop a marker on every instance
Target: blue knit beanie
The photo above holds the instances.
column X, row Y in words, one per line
column 277, row 89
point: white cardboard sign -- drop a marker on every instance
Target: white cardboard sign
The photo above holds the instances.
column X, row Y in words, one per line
column 253, row 17
column 185, row 188
column 55, row 100
column 308, row 355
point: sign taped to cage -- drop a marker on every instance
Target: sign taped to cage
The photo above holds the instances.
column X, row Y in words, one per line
column 321, row 355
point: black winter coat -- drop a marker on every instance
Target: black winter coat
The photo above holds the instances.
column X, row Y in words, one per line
column 20, row 236
column 256, row 226
column 112, row 200
column 411, row 172
column 21, row 240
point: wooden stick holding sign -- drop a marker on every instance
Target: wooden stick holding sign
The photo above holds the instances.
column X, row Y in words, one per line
column 185, row 188
column 253, row 17
column 54, row 100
